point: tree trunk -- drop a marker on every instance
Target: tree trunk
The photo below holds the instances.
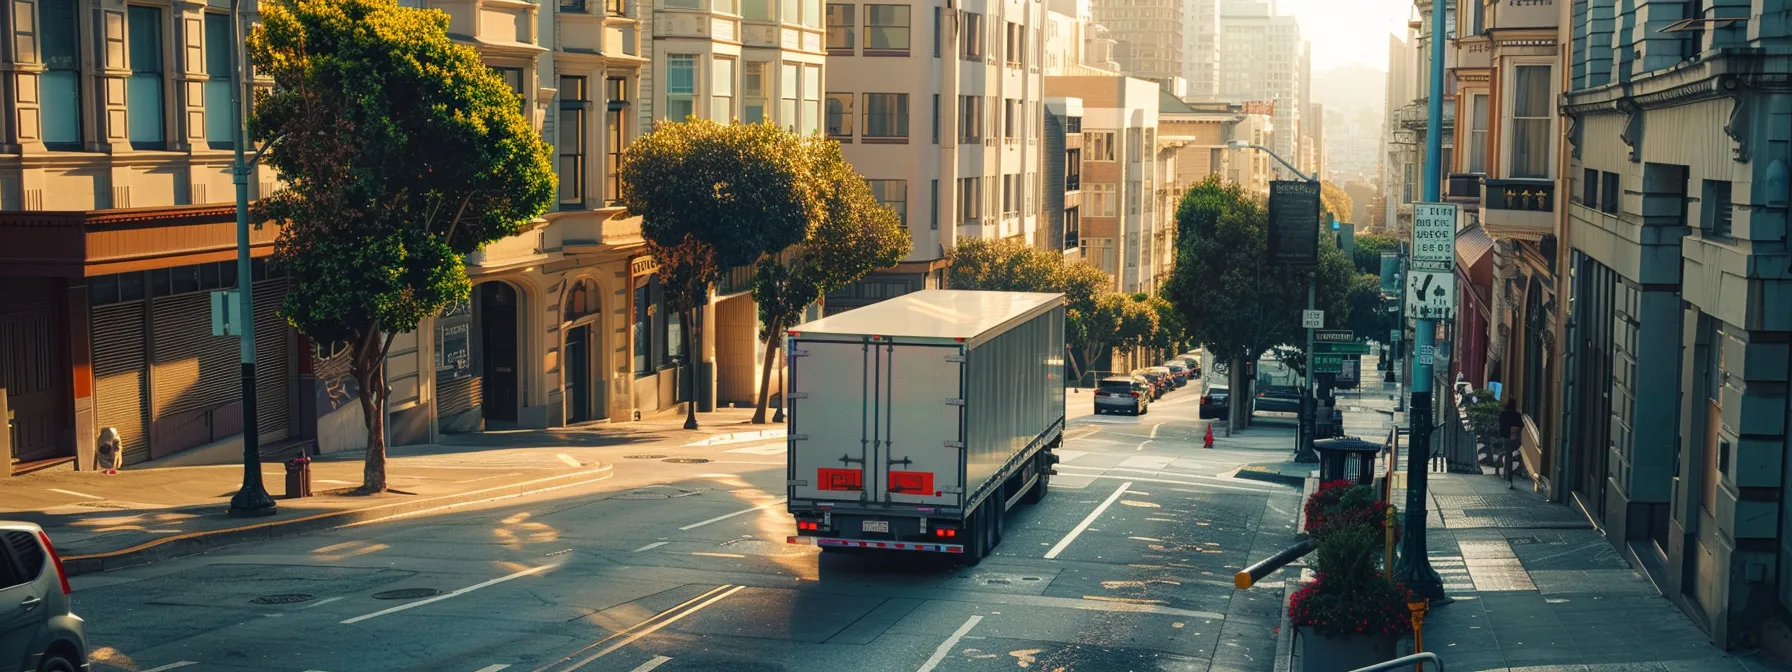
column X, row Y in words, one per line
column 693, row 350
column 1238, row 415
column 366, row 370
column 772, row 332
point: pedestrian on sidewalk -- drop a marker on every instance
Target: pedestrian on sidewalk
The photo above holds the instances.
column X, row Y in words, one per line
column 1511, row 424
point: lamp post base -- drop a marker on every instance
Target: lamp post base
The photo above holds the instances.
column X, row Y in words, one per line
column 252, row 501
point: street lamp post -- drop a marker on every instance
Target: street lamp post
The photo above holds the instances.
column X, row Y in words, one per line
column 1303, row 442
column 1415, row 564
column 252, row 498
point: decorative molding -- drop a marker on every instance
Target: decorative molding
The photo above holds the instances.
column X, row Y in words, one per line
column 1737, row 126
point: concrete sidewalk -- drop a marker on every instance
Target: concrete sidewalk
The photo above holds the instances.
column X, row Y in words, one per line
column 142, row 515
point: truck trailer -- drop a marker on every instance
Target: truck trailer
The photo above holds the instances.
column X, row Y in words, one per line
column 915, row 423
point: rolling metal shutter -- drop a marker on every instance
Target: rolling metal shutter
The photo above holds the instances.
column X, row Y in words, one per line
column 272, row 384
column 119, row 390
column 194, row 370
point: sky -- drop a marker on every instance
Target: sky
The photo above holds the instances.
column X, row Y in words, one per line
column 1349, row 31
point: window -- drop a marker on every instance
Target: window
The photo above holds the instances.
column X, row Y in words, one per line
column 1530, row 121
column 27, row 552
column 788, row 87
column 684, row 4
column 970, row 118
column 1072, row 228
column 936, row 118
column 756, row 10
column 754, row 83
column 933, row 206
column 1100, row 145
column 616, row 7
column 220, row 125
column 1717, row 207
column 1101, row 200
column 681, row 86
column 1012, row 194
column 59, row 86
column 811, row 100
column 575, row 6
column 892, row 193
column 616, row 92
column 647, row 311
column 572, row 125
column 789, row 12
column 721, row 95
column 143, row 92
column 1073, row 169
column 886, row 115
column 1609, row 192
column 839, row 123
column 840, row 27
column 1010, row 118
column 812, row 13
column 970, row 200
column 886, row 27
column 1589, row 188
column 514, row 77
column 938, row 30
column 971, row 48
column 1477, row 132
column 1015, row 44
column 1477, row 17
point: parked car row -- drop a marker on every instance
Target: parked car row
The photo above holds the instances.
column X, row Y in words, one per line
column 1134, row 392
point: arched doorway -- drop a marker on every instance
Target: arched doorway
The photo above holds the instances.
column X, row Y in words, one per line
column 582, row 312
column 497, row 316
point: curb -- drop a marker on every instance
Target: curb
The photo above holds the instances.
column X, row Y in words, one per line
column 196, row 543
column 738, row 437
column 1276, row 477
column 1285, row 628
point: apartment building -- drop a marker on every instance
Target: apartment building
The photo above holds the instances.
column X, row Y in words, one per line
column 1152, row 35
column 1060, row 226
column 1673, row 335
column 1261, row 57
column 942, row 109
column 1119, row 176
column 1201, row 53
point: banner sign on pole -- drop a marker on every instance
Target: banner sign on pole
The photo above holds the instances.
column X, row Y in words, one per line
column 1434, row 236
column 1431, row 294
column 1293, row 223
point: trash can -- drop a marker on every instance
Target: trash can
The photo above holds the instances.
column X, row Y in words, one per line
column 298, row 477
column 1347, row 460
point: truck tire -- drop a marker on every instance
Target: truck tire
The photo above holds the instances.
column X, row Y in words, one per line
column 977, row 545
column 1037, row 494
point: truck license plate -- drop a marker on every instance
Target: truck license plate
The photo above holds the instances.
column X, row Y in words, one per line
column 876, row 526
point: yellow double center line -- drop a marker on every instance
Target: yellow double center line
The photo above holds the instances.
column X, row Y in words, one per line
column 622, row 638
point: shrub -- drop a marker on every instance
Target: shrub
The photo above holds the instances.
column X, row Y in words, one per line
column 1343, row 504
column 1350, row 597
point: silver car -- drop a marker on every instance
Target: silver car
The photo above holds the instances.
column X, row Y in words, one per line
column 38, row 630
column 1123, row 394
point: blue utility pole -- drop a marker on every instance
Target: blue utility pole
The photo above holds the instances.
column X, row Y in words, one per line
column 1415, row 565
column 252, row 498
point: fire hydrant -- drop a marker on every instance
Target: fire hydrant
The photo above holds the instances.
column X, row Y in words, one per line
column 298, row 477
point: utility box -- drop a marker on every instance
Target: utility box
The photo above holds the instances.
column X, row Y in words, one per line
column 1347, row 460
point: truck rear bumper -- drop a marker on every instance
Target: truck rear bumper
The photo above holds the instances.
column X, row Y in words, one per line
column 834, row 542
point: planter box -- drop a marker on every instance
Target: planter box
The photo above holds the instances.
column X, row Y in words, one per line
column 1343, row 654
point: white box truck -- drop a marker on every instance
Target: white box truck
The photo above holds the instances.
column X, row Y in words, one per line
column 917, row 422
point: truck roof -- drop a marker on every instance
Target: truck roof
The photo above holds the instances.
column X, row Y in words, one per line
column 930, row 314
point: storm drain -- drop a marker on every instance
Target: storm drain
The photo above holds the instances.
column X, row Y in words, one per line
column 285, row 598
column 687, row 460
column 642, row 457
column 407, row 594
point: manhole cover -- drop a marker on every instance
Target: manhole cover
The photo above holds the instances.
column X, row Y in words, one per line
column 687, row 460
column 288, row 598
column 642, row 457
column 407, row 594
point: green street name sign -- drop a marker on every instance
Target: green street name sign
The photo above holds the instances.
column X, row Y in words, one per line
column 1328, row 363
column 1341, row 348
column 1334, row 336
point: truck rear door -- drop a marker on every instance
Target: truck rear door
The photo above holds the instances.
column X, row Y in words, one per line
column 830, row 419
column 919, row 450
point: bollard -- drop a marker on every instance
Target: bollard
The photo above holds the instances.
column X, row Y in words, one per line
column 1418, row 623
column 298, row 477
column 1254, row 573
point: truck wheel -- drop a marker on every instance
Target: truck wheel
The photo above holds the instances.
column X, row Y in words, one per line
column 977, row 545
column 997, row 524
column 1037, row 494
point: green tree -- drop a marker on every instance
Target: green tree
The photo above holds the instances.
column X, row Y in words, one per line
column 1368, row 317
column 1231, row 299
column 1334, row 203
column 1007, row 265
column 401, row 152
column 1369, row 247
column 715, row 196
column 854, row 236
column 1138, row 322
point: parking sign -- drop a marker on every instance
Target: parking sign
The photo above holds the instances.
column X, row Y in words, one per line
column 1434, row 236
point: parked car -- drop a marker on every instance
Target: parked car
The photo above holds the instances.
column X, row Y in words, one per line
column 1122, row 393
column 1215, row 402
column 1193, row 360
column 1169, row 379
column 1276, row 399
column 1156, row 381
column 1178, row 371
column 38, row 631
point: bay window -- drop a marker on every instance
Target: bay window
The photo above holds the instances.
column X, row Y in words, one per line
column 220, row 82
column 571, row 128
column 681, row 86
column 886, row 27
column 1530, row 121
column 59, row 86
column 721, row 95
column 754, row 84
column 886, row 115
column 143, row 91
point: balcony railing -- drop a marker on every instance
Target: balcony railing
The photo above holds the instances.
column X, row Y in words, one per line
column 1518, row 194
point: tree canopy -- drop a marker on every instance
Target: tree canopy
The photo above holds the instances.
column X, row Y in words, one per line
column 400, row 152
column 854, row 236
column 1369, row 247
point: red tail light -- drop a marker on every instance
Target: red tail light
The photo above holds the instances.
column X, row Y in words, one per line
column 945, row 532
column 56, row 560
column 1135, row 395
column 808, row 525
column 1206, row 400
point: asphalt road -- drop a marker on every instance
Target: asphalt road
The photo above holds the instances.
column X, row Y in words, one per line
column 1126, row 565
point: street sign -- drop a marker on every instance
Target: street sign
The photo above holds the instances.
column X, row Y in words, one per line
column 1294, row 223
column 1443, row 266
column 1390, row 273
column 1393, row 335
column 1434, row 234
column 1326, row 363
column 1431, row 295
column 1312, row 319
column 1424, row 352
column 1334, row 336
column 1342, row 348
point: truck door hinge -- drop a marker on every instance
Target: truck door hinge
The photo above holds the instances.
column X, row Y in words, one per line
column 848, row 459
column 952, row 490
column 797, row 437
column 797, row 352
column 797, row 482
column 955, row 444
column 955, row 359
column 954, row 402
column 798, row 395
column 904, row 462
